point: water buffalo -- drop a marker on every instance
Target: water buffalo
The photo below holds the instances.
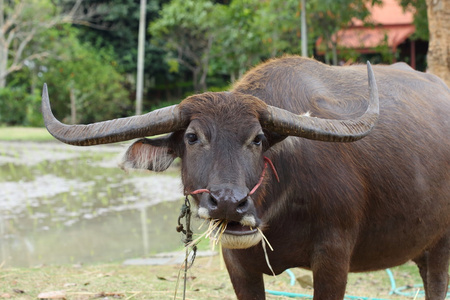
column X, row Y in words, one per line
column 362, row 165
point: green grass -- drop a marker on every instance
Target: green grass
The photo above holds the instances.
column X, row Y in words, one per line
column 117, row 281
column 32, row 134
column 207, row 279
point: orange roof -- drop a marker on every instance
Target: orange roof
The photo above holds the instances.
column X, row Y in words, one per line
column 388, row 13
column 392, row 25
column 369, row 38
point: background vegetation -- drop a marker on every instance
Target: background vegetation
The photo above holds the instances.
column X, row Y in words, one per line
column 86, row 51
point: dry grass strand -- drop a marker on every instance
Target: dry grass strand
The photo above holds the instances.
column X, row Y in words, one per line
column 263, row 243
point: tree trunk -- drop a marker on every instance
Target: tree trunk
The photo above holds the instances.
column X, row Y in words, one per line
column 195, row 79
column 73, row 106
column 3, row 66
column 304, row 29
column 140, row 62
column 205, row 64
column 202, row 83
column 232, row 77
column 327, row 57
column 438, row 58
column 3, row 54
column 334, row 52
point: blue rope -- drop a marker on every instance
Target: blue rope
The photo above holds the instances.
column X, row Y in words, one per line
column 287, row 294
column 394, row 290
column 399, row 291
column 291, row 274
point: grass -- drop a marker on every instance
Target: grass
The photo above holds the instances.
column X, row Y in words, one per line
column 116, row 281
column 207, row 279
column 32, row 134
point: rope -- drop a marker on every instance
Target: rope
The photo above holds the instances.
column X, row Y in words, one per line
column 400, row 290
column 394, row 290
column 186, row 213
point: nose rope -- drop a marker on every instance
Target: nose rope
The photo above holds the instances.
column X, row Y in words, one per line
column 267, row 162
column 199, row 191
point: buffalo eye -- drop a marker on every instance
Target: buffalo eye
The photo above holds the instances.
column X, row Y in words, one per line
column 258, row 140
column 191, row 138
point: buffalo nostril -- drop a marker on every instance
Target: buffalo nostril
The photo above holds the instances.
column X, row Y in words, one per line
column 243, row 205
column 212, row 202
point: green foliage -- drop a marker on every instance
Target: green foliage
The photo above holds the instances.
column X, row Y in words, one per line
column 117, row 29
column 419, row 7
column 89, row 75
column 121, row 22
column 186, row 28
column 21, row 23
column 191, row 17
column 279, row 24
column 174, row 66
column 19, row 107
column 243, row 33
column 238, row 41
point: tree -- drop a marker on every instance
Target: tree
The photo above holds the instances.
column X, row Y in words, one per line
column 87, row 76
column 238, row 41
column 253, row 30
column 279, row 24
column 439, row 28
column 304, row 29
column 21, row 22
column 186, row 27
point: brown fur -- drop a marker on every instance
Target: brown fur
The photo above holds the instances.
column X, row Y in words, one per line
column 222, row 107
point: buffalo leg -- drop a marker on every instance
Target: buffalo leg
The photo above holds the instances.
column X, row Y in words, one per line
column 421, row 262
column 330, row 269
column 329, row 283
column 247, row 285
column 433, row 266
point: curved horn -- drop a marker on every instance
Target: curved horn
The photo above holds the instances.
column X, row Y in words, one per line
column 288, row 123
column 160, row 121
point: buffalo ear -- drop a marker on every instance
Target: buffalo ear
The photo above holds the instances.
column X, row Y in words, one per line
column 150, row 154
column 272, row 138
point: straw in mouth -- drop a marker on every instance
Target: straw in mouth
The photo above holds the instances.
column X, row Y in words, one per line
column 217, row 228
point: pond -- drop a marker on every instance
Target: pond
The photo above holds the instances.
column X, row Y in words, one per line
column 62, row 204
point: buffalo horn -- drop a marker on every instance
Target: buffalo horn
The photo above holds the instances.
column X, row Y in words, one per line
column 288, row 123
column 160, row 121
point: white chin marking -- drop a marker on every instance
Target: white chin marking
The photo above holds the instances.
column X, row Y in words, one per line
column 203, row 213
column 248, row 220
column 240, row 241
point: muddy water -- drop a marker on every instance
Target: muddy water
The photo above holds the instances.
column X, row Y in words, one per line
column 62, row 204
